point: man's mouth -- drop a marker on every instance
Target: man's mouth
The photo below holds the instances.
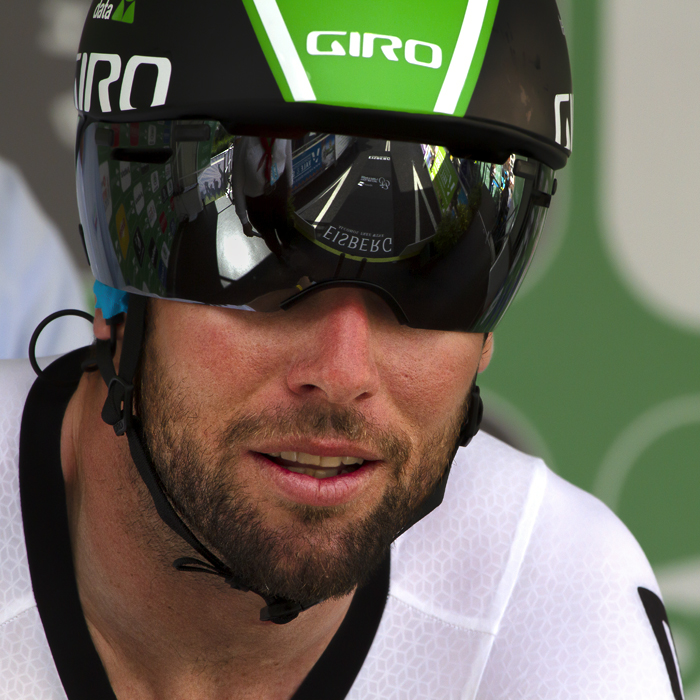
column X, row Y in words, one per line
column 315, row 465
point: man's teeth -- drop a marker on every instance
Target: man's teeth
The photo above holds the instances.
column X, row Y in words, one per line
column 316, row 460
column 330, row 466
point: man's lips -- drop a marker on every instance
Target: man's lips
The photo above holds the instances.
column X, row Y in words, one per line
column 320, row 460
column 313, row 484
column 317, row 460
column 308, row 451
column 317, row 466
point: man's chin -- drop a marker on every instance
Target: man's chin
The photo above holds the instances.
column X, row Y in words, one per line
column 306, row 579
column 309, row 561
column 313, row 518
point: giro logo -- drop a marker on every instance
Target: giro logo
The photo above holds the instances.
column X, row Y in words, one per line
column 419, row 53
column 300, row 58
column 564, row 117
column 124, row 12
column 97, row 62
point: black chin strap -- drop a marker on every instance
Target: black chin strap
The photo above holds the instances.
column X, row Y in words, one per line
column 469, row 429
column 117, row 412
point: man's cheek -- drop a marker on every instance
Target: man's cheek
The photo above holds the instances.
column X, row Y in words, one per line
column 431, row 399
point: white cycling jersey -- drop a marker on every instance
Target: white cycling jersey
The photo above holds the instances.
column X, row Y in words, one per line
column 518, row 586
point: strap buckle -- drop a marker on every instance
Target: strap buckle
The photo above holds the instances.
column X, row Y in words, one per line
column 117, row 409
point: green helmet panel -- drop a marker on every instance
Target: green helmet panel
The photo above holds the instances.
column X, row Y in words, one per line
column 484, row 77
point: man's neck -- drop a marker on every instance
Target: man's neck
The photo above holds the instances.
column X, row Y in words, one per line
column 163, row 633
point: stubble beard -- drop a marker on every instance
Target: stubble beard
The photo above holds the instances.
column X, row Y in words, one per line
column 319, row 555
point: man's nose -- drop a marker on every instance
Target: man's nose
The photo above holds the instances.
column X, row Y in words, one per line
column 335, row 358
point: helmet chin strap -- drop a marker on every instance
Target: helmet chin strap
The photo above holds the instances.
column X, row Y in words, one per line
column 469, row 429
column 117, row 412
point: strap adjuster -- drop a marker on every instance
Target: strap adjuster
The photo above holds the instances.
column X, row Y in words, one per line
column 117, row 408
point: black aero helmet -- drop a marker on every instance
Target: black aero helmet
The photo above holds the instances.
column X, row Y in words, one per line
column 255, row 152
column 247, row 154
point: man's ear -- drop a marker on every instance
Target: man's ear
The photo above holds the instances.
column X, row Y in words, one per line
column 103, row 330
column 486, row 352
column 100, row 327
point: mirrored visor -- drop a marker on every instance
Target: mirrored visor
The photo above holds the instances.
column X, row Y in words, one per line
column 185, row 210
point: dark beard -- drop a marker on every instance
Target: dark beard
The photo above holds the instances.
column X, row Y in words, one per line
column 315, row 557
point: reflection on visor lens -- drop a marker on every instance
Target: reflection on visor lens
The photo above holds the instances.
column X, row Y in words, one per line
column 185, row 210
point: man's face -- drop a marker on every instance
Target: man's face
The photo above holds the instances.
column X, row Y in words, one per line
column 296, row 444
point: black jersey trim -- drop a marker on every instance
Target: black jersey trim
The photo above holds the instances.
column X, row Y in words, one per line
column 656, row 612
column 335, row 672
column 45, row 519
column 43, row 499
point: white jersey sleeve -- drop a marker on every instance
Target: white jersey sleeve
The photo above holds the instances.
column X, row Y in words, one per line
column 575, row 625
column 519, row 586
column 27, row 670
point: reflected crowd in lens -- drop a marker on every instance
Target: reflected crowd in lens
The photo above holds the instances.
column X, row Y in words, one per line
column 187, row 210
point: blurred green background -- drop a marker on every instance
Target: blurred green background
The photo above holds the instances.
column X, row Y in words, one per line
column 597, row 363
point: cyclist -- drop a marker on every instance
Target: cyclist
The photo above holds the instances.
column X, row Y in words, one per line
column 211, row 513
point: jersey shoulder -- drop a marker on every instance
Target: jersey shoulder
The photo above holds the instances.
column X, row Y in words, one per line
column 537, row 581
column 27, row 666
column 451, row 578
column 16, row 377
column 459, row 562
column 504, row 511
column 577, row 623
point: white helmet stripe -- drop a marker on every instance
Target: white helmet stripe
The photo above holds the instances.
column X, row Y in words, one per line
column 462, row 57
column 284, row 49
